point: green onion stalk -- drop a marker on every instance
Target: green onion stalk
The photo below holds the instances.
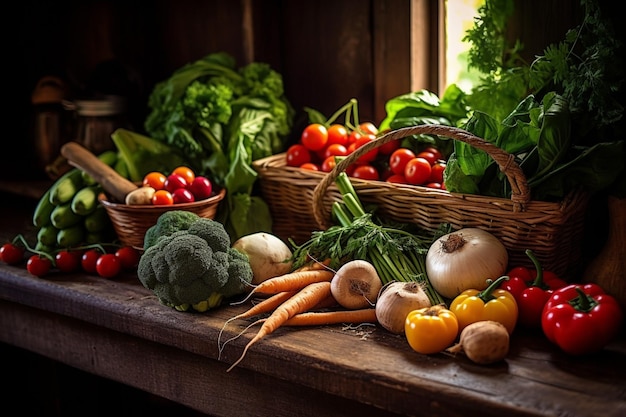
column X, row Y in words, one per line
column 396, row 254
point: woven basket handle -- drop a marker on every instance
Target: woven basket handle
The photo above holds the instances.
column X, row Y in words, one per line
column 520, row 193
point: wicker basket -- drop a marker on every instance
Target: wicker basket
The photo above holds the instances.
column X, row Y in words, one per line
column 130, row 222
column 300, row 202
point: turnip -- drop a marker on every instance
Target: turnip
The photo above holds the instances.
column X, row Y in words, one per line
column 268, row 255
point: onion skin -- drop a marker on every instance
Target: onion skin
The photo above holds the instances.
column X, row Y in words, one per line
column 396, row 301
column 464, row 260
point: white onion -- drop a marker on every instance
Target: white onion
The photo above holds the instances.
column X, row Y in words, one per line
column 396, row 301
column 465, row 259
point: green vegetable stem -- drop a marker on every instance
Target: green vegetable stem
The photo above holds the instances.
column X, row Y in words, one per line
column 397, row 254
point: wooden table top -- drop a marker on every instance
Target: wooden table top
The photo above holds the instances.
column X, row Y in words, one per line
column 117, row 329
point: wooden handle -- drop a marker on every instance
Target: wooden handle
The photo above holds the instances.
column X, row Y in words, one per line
column 116, row 186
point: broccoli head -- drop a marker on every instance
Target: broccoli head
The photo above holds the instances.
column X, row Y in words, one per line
column 168, row 223
column 194, row 266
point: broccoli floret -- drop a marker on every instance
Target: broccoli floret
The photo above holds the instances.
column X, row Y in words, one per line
column 167, row 223
column 194, row 266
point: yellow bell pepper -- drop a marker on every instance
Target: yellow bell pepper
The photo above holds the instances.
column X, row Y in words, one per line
column 431, row 329
column 490, row 304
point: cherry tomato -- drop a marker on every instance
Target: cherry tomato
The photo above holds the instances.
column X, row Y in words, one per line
column 38, row 265
column 162, row 198
column 435, row 185
column 201, row 188
column 354, row 136
column 429, row 156
column 337, row 134
column 432, row 149
column 310, row 165
column 155, row 180
column 417, row 171
column 398, row 160
column 183, row 195
column 335, row 149
column 397, row 178
column 366, row 172
column 368, row 127
column 128, row 257
column 297, row 155
column 108, row 265
column 389, row 147
column 174, row 182
column 436, row 173
column 185, row 172
column 328, row 164
column 370, row 155
column 67, row 261
column 11, row 254
column 314, row 137
column 89, row 260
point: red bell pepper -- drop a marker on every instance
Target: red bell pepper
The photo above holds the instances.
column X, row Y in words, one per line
column 531, row 289
column 581, row 318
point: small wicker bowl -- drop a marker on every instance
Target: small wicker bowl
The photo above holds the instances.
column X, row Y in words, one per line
column 131, row 222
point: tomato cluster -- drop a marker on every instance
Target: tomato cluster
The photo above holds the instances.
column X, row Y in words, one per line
column 90, row 260
column 320, row 145
column 182, row 185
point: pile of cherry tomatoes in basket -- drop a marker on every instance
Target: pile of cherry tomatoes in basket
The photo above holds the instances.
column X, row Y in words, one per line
column 320, row 146
column 182, row 185
column 91, row 259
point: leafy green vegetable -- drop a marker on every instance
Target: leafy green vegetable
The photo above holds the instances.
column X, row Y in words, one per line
column 142, row 154
column 222, row 118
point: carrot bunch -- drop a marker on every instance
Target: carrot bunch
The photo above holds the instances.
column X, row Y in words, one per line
column 297, row 298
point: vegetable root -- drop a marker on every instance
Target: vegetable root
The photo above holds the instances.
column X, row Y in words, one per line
column 356, row 285
column 396, row 300
column 365, row 315
column 483, row 342
column 301, row 302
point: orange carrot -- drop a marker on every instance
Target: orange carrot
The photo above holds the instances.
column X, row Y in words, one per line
column 292, row 281
column 365, row 315
column 326, row 303
column 302, row 301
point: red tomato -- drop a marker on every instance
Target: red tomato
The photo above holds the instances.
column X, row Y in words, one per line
column 389, row 147
column 155, row 180
column 435, row 185
column 128, row 257
column 185, row 172
column 368, row 127
column 89, row 259
column 314, row 137
column 366, row 172
column 201, row 188
column 38, row 265
column 328, row 164
column 337, row 134
column 11, row 254
column 353, row 137
column 297, row 155
column 335, row 149
column 398, row 160
column 310, row 165
column 429, row 156
column 436, row 173
column 162, row 198
column 174, row 182
column 397, row 178
column 67, row 261
column 370, row 155
column 417, row 171
column 183, row 195
column 108, row 265
column 432, row 149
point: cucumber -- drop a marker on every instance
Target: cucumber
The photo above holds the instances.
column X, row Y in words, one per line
column 98, row 220
column 108, row 157
column 85, row 200
column 43, row 210
column 62, row 216
column 71, row 236
column 47, row 235
column 66, row 187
